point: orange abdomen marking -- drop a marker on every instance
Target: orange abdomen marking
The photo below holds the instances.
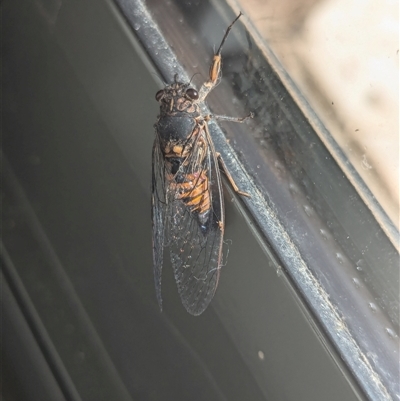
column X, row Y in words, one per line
column 194, row 192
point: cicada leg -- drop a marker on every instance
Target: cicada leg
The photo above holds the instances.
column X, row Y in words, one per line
column 215, row 68
column 228, row 175
column 232, row 119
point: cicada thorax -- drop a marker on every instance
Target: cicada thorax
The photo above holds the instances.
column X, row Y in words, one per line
column 179, row 117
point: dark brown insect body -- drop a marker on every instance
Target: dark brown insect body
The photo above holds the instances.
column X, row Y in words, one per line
column 187, row 199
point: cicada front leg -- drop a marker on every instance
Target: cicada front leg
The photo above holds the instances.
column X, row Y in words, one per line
column 215, row 68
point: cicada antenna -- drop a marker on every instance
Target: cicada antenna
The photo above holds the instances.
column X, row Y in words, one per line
column 196, row 73
column 159, row 77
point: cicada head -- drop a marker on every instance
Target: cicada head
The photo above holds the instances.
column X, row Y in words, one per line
column 177, row 97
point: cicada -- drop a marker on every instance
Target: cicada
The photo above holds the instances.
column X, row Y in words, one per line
column 187, row 197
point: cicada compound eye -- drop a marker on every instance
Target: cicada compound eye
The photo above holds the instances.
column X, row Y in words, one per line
column 159, row 95
column 192, row 94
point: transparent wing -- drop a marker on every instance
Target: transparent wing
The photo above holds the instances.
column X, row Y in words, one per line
column 196, row 247
column 159, row 206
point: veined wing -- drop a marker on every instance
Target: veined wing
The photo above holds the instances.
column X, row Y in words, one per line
column 195, row 239
column 158, row 214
